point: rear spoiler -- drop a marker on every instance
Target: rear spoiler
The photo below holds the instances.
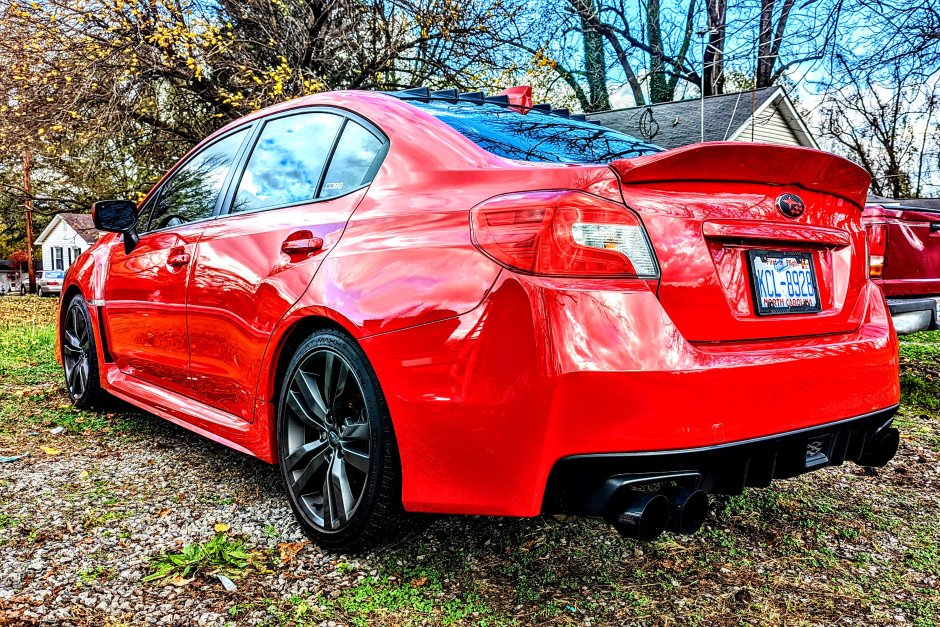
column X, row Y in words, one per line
column 739, row 162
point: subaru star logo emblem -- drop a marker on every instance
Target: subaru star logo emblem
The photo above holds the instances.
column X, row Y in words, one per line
column 790, row 205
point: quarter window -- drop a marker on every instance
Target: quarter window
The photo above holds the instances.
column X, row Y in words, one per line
column 352, row 161
column 287, row 162
column 191, row 193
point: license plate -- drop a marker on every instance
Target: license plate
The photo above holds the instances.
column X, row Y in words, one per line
column 783, row 282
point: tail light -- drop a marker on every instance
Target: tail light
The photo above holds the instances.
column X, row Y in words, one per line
column 877, row 233
column 563, row 233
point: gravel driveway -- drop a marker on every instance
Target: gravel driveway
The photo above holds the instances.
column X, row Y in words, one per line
column 91, row 511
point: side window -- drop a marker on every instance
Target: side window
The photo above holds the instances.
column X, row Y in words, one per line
column 286, row 163
column 191, row 193
column 352, row 161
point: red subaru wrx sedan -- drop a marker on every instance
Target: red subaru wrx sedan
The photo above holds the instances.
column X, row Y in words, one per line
column 450, row 303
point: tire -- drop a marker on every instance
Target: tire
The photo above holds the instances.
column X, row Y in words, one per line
column 22, row 290
column 340, row 429
column 39, row 291
column 80, row 356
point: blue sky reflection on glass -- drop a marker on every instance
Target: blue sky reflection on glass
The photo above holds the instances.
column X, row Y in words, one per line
column 286, row 162
column 352, row 160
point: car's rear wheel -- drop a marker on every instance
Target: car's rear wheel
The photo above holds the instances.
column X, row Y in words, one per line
column 39, row 291
column 79, row 355
column 337, row 450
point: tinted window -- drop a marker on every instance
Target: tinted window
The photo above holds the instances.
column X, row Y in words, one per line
column 535, row 136
column 287, row 161
column 352, row 160
column 191, row 193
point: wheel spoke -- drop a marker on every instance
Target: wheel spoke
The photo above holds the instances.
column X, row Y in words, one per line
column 357, row 459
column 328, row 376
column 83, row 373
column 73, row 378
column 73, row 341
column 307, row 384
column 356, row 431
column 339, row 384
column 298, row 405
column 341, row 490
column 300, row 485
column 329, row 499
column 303, row 454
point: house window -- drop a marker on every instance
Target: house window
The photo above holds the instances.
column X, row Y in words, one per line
column 74, row 252
column 57, row 262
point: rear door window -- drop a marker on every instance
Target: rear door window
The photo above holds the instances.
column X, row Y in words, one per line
column 353, row 160
column 193, row 190
column 287, row 162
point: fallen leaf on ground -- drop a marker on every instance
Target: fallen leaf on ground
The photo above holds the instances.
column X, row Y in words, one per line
column 164, row 512
column 83, row 474
column 417, row 583
column 179, row 582
column 289, row 550
column 221, row 527
column 48, row 450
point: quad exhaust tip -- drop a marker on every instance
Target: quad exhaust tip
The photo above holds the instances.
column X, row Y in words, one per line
column 687, row 510
column 645, row 515
column 881, row 449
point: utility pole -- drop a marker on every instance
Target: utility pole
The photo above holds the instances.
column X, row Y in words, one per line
column 28, row 203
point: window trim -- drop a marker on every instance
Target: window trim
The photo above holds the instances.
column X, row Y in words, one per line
column 226, row 210
column 154, row 199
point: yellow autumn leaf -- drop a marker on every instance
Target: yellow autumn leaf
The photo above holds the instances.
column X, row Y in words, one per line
column 83, row 474
column 221, row 527
column 48, row 450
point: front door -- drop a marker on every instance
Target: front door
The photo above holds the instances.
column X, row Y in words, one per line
column 145, row 292
column 304, row 178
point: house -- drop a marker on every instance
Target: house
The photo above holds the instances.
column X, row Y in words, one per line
column 66, row 237
column 763, row 115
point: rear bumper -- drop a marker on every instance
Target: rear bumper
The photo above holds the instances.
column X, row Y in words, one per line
column 911, row 315
column 582, row 484
column 485, row 404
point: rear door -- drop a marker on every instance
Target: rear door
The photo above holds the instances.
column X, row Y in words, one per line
column 306, row 173
column 145, row 293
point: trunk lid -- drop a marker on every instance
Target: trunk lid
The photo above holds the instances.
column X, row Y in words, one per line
column 707, row 206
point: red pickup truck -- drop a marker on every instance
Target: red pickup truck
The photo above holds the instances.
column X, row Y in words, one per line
column 904, row 259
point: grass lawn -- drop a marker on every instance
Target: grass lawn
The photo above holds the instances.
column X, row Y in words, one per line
column 838, row 546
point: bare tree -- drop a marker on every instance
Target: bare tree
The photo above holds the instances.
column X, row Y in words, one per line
column 876, row 124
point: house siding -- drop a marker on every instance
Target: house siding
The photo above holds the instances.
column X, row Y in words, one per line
column 64, row 237
column 769, row 128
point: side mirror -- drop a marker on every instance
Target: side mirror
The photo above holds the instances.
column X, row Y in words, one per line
column 117, row 216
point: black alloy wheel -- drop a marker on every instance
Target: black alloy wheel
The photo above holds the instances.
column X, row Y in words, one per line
column 328, row 439
column 79, row 356
column 337, row 450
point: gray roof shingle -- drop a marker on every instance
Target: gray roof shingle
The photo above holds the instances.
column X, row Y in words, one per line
column 675, row 124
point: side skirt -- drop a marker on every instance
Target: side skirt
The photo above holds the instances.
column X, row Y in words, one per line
column 251, row 438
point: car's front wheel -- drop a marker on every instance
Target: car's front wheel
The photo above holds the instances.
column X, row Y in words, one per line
column 79, row 355
column 337, row 450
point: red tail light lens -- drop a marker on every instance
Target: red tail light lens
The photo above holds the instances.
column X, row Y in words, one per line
column 563, row 233
column 877, row 233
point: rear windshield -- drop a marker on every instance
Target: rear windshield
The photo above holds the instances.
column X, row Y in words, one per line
column 535, row 136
